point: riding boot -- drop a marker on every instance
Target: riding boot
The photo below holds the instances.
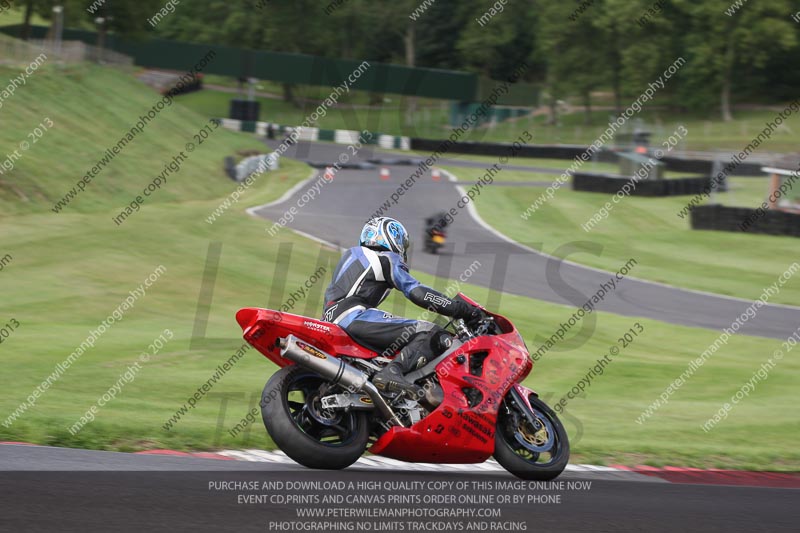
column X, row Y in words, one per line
column 391, row 378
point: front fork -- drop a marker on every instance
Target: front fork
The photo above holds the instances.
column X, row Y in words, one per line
column 520, row 394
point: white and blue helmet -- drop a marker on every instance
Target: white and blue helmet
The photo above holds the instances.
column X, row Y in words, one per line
column 384, row 233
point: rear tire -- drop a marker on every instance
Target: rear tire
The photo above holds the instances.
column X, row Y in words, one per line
column 530, row 453
column 299, row 427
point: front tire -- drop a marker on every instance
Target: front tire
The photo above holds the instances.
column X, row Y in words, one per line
column 290, row 408
column 536, row 451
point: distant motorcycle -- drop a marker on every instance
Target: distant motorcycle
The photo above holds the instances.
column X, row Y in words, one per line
column 434, row 240
column 435, row 235
column 322, row 409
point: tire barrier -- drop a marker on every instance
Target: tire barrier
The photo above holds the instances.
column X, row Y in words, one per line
column 611, row 184
column 245, row 110
column 271, row 130
column 724, row 218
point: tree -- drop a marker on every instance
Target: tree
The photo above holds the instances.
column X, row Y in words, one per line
column 642, row 38
column 575, row 53
column 396, row 22
column 498, row 47
column 720, row 41
column 124, row 17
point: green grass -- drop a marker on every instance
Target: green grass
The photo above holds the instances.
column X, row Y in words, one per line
column 312, row 92
column 71, row 270
column 752, row 192
column 79, row 138
column 705, row 130
column 648, row 230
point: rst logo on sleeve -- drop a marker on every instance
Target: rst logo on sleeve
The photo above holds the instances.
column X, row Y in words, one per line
column 329, row 313
column 436, row 299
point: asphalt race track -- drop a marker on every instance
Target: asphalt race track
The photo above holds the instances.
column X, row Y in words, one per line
column 337, row 214
column 59, row 489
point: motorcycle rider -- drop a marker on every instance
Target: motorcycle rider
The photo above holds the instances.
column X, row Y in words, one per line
column 435, row 225
column 363, row 279
column 437, row 222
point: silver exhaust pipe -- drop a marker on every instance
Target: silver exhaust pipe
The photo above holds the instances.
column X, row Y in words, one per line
column 337, row 371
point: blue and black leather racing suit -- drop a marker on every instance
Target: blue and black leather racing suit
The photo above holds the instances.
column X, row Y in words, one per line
column 362, row 280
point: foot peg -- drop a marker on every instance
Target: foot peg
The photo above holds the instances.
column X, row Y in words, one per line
column 391, row 380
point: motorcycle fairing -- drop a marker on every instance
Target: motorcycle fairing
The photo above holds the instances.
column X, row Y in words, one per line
column 455, row 432
column 263, row 327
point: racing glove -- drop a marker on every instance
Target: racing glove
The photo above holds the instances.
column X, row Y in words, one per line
column 471, row 314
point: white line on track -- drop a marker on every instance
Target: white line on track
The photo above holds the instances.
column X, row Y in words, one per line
column 386, row 463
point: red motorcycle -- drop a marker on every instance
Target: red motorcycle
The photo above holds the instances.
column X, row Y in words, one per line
column 323, row 411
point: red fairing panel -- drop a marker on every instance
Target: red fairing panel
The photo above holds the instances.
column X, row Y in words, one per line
column 263, row 327
column 456, row 432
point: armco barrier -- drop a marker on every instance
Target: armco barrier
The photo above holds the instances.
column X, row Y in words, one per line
column 704, row 166
column 541, row 151
column 609, row 184
column 723, row 218
column 571, row 151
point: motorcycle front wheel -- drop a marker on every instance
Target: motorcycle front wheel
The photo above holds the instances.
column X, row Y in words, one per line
column 294, row 418
column 530, row 442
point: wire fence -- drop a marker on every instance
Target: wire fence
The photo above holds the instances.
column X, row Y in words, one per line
column 14, row 52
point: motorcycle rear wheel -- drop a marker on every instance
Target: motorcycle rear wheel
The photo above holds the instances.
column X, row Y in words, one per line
column 292, row 414
column 535, row 451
